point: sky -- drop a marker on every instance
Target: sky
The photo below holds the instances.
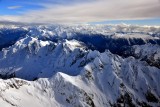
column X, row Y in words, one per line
column 138, row 12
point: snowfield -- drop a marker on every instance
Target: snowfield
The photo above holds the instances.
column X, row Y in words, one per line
column 80, row 66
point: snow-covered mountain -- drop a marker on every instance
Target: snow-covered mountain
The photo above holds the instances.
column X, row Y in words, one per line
column 81, row 66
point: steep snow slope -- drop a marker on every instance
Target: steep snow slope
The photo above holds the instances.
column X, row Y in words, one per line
column 108, row 80
column 148, row 52
column 31, row 58
column 62, row 66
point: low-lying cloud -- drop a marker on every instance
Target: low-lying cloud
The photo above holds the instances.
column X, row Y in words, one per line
column 90, row 11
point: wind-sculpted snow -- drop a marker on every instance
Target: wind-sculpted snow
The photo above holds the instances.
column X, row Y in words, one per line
column 80, row 66
column 31, row 58
column 107, row 80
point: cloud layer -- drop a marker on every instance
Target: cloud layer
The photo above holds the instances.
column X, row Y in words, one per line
column 90, row 11
column 14, row 7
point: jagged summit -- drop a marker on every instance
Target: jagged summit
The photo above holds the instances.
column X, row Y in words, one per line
column 81, row 66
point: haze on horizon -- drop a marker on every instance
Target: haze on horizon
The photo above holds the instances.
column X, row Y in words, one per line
column 143, row 12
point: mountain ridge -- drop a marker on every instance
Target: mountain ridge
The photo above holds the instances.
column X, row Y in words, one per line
column 70, row 72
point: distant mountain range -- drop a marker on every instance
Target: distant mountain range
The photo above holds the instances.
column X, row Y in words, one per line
column 79, row 66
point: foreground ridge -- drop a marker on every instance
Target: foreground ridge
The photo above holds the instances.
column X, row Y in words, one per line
column 73, row 73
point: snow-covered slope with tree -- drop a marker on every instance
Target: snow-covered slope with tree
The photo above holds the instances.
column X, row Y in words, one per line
column 81, row 66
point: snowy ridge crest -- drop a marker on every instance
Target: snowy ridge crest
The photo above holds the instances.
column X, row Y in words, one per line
column 48, row 66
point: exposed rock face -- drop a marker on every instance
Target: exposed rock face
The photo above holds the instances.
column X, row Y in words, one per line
column 73, row 72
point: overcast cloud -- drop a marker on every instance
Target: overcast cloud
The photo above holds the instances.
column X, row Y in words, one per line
column 89, row 11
